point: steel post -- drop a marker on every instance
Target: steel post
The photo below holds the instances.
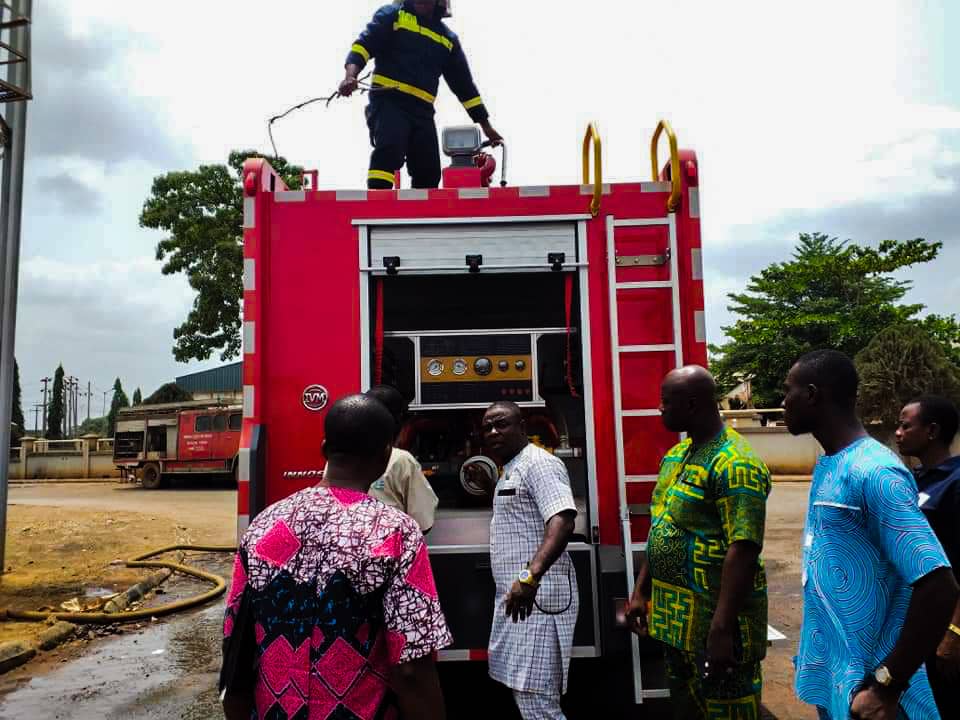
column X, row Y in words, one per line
column 16, row 113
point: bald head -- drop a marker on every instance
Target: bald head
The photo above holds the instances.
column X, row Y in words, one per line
column 692, row 380
column 688, row 399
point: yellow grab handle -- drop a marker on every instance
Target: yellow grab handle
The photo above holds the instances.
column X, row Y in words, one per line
column 592, row 136
column 675, row 193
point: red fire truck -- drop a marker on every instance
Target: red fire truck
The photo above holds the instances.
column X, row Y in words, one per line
column 571, row 300
column 194, row 437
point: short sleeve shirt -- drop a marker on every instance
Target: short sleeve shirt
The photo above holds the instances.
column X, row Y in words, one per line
column 866, row 543
column 533, row 656
column 341, row 590
column 706, row 499
column 404, row 487
column 940, row 502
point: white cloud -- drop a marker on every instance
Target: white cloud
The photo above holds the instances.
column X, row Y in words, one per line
column 100, row 319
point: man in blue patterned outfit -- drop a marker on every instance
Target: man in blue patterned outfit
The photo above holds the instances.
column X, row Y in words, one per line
column 878, row 591
column 413, row 48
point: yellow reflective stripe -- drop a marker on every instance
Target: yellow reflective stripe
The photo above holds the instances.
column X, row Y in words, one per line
column 437, row 38
column 386, row 82
column 409, row 22
column 362, row 51
column 471, row 104
column 382, row 175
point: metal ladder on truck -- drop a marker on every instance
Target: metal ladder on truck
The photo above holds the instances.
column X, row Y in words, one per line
column 618, row 291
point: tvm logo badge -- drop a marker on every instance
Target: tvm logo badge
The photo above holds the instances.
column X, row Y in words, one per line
column 315, row 398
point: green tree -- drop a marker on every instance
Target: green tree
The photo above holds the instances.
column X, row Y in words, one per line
column 169, row 393
column 945, row 331
column 120, row 400
column 137, row 397
column 900, row 364
column 830, row 294
column 94, row 426
column 202, row 213
column 55, row 407
column 17, row 429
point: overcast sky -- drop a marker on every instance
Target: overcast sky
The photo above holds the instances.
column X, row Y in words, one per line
column 831, row 116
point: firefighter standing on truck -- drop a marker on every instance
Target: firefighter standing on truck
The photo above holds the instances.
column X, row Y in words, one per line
column 413, row 48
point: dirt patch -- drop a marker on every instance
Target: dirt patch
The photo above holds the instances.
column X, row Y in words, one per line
column 55, row 554
column 786, row 513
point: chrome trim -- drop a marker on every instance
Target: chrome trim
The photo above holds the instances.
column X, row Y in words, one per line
column 464, row 269
column 458, row 332
column 642, row 222
column 472, row 220
column 695, row 202
column 586, row 344
column 366, row 379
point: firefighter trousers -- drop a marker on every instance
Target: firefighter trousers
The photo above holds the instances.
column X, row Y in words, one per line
column 399, row 135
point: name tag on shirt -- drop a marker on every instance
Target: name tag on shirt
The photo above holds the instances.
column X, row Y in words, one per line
column 507, row 492
column 807, row 544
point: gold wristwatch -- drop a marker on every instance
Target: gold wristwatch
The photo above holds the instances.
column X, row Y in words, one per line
column 526, row 578
column 883, row 677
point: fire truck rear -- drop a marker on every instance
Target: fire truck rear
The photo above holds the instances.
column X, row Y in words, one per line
column 190, row 438
column 572, row 301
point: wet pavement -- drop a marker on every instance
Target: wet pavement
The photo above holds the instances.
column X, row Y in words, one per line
column 165, row 670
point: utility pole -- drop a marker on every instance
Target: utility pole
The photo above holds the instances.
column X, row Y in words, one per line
column 74, row 391
column 45, row 381
column 36, row 416
column 89, row 395
column 105, row 403
column 15, row 91
column 67, row 397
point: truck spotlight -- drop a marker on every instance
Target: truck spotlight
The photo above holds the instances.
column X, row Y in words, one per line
column 461, row 144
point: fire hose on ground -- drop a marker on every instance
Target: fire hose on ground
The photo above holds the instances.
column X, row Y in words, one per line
column 141, row 561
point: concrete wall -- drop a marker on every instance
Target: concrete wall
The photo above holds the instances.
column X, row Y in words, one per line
column 88, row 457
column 783, row 453
column 891, row 443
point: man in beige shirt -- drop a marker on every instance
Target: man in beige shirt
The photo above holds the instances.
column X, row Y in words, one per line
column 403, row 486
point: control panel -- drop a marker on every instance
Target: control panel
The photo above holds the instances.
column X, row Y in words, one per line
column 468, row 369
column 481, row 368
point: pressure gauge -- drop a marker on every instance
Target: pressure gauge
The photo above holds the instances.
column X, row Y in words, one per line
column 460, row 366
column 435, row 368
column 483, row 366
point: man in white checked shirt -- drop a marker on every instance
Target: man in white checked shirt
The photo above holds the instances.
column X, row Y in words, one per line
column 537, row 600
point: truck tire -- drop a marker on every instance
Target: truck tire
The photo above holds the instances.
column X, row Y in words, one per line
column 152, row 479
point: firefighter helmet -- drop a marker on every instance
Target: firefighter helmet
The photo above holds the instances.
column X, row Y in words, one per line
column 444, row 6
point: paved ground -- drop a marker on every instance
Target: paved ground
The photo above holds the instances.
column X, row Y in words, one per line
column 167, row 670
column 204, row 506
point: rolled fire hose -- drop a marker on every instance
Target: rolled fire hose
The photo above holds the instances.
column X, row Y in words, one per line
column 486, row 465
column 141, row 561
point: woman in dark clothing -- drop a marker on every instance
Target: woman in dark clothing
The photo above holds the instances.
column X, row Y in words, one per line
column 926, row 430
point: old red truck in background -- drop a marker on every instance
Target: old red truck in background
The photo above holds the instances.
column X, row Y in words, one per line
column 177, row 439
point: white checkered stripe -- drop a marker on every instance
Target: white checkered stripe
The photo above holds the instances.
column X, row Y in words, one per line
column 533, row 656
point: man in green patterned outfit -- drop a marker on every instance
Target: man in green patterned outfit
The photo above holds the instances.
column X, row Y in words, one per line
column 702, row 590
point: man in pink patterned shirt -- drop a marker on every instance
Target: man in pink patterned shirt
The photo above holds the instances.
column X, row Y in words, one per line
column 333, row 612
